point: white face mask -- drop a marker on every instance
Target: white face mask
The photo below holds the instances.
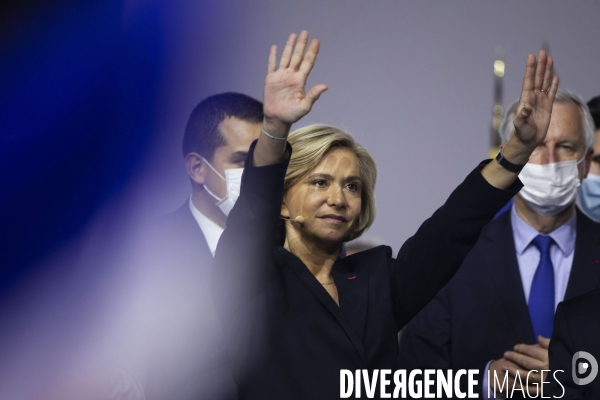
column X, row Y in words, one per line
column 233, row 180
column 550, row 188
column 589, row 197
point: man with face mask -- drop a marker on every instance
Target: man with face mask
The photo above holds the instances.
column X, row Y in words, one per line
column 186, row 354
column 217, row 138
column 496, row 314
column 589, row 195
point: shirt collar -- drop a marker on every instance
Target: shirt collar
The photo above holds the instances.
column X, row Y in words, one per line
column 211, row 231
column 563, row 236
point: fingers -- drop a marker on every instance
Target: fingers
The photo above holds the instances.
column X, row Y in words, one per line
column 548, row 74
column 272, row 59
column 527, row 377
column 299, row 50
column 314, row 93
column 524, row 374
column 525, row 361
column 513, row 371
column 309, row 58
column 520, row 120
column 553, row 88
column 512, row 368
column 298, row 60
column 287, row 51
column 529, row 77
column 537, row 352
column 540, row 70
column 543, row 341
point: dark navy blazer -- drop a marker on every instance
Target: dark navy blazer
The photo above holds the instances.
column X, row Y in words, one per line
column 287, row 337
column 482, row 312
column 188, row 359
column 576, row 328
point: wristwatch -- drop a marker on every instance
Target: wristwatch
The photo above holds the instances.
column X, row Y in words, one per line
column 516, row 168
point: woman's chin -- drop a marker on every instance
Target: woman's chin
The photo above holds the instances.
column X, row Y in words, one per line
column 332, row 238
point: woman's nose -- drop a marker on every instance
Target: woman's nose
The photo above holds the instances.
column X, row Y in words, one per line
column 337, row 198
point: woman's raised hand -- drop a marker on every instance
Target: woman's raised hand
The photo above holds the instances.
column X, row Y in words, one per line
column 285, row 99
column 537, row 97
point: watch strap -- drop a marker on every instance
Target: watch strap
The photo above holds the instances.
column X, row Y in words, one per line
column 516, row 168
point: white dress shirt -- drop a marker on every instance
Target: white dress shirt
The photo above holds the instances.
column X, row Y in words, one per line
column 212, row 232
column 528, row 258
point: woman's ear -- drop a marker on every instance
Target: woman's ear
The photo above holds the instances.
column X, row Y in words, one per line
column 284, row 210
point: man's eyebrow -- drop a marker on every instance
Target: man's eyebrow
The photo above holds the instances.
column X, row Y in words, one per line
column 574, row 141
column 238, row 156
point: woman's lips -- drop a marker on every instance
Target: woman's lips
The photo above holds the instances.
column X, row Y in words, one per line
column 334, row 219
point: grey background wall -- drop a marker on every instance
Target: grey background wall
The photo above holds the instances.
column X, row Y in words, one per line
column 412, row 80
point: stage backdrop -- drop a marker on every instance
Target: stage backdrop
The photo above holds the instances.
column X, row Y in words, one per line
column 412, row 80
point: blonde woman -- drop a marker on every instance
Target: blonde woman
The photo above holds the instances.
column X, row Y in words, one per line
column 294, row 313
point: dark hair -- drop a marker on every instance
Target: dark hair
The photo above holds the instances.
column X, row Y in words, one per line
column 202, row 130
column 594, row 106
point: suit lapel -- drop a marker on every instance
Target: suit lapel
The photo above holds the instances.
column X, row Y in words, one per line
column 353, row 291
column 585, row 271
column 503, row 268
column 308, row 279
column 192, row 233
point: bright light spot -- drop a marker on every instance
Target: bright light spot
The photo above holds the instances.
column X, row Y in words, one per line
column 499, row 68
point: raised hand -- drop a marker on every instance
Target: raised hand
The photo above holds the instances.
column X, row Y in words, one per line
column 537, row 97
column 532, row 120
column 285, row 99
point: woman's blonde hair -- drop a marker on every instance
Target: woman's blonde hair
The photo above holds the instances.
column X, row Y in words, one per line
column 311, row 143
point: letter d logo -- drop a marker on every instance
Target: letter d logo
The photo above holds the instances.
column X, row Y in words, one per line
column 583, row 367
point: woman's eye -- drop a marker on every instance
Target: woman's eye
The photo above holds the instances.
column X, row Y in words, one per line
column 354, row 187
column 319, row 183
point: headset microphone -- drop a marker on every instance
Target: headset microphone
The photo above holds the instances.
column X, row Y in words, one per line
column 298, row 219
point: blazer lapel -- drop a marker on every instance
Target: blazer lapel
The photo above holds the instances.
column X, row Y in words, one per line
column 304, row 274
column 192, row 233
column 503, row 268
column 585, row 271
column 353, row 291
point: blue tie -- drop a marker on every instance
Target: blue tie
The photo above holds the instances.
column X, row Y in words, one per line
column 541, row 296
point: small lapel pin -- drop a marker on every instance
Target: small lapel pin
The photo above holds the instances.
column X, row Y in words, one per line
column 354, row 276
column 596, row 261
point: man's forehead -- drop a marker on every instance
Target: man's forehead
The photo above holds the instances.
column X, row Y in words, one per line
column 565, row 123
column 239, row 133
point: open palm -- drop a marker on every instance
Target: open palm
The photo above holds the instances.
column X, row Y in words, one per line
column 285, row 99
column 537, row 97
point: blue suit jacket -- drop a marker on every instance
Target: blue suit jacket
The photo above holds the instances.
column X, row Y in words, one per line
column 482, row 312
